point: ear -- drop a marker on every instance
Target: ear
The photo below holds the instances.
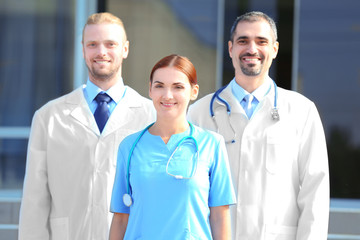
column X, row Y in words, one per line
column 150, row 89
column 83, row 49
column 194, row 92
column 276, row 49
column 230, row 45
column 126, row 49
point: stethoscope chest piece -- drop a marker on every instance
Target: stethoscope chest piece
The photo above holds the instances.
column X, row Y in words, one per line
column 127, row 199
column 275, row 114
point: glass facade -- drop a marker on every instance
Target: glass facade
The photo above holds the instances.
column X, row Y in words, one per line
column 36, row 52
column 329, row 74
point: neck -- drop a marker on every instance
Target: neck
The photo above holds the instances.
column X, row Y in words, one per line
column 250, row 83
column 105, row 83
column 165, row 129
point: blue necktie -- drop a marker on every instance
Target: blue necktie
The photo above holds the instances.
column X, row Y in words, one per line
column 249, row 104
column 102, row 112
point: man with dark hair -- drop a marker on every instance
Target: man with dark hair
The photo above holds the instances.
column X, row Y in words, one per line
column 275, row 142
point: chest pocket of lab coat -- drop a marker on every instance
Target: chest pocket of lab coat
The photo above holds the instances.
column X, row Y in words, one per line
column 281, row 151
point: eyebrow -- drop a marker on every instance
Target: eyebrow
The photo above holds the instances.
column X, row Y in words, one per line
column 176, row 83
column 257, row 37
column 179, row 83
column 158, row 82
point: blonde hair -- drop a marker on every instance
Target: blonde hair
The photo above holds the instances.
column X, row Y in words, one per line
column 104, row 17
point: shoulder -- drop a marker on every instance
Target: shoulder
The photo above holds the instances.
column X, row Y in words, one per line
column 205, row 135
column 200, row 109
column 204, row 101
column 295, row 101
column 297, row 108
column 134, row 95
column 131, row 138
column 134, row 99
column 292, row 96
column 74, row 97
column 127, row 143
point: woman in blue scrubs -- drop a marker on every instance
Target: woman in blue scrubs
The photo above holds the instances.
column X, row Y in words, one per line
column 177, row 177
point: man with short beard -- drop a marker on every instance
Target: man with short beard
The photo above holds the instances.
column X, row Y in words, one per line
column 71, row 159
column 275, row 142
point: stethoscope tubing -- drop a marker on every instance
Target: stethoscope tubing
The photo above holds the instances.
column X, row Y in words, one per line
column 130, row 155
column 216, row 96
column 127, row 196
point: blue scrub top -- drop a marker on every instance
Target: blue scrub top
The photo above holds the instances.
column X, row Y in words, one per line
column 165, row 207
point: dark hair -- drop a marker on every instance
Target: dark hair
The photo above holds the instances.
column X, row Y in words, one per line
column 253, row 17
column 181, row 63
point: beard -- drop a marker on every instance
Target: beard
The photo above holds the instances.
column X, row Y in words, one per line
column 251, row 69
column 103, row 74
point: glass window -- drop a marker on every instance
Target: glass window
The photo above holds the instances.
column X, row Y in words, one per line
column 329, row 74
column 36, row 64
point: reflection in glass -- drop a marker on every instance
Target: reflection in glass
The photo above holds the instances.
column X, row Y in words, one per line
column 329, row 75
column 36, row 52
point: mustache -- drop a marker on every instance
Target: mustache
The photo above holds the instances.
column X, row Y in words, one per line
column 251, row 55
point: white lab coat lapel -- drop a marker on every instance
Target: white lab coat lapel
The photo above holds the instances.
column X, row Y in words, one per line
column 122, row 114
column 234, row 103
column 81, row 111
column 221, row 115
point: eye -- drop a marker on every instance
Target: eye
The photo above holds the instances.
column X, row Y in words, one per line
column 112, row 44
column 158, row 86
column 263, row 42
column 241, row 41
column 91, row 45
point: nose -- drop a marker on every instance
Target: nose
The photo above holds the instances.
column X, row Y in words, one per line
column 168, row 94
column 252, row 47
column 102, row 50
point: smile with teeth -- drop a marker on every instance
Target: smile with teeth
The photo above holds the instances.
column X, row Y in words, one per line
column 168, row 104
column 251, row 59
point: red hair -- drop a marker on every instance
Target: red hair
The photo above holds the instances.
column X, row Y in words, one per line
column 181, row 63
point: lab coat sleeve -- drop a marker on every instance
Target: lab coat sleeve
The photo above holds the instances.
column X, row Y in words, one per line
column 35, row 205
column 313, row 198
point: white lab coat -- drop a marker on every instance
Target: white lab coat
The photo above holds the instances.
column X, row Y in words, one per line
column 279, row 168
column 70, row 167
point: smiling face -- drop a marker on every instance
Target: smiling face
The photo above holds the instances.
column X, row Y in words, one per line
column 104, row 48
column 171, row 93
column 253, row 48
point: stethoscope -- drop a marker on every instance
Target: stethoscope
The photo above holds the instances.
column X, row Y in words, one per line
column 216, row 96
column 127, row 199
